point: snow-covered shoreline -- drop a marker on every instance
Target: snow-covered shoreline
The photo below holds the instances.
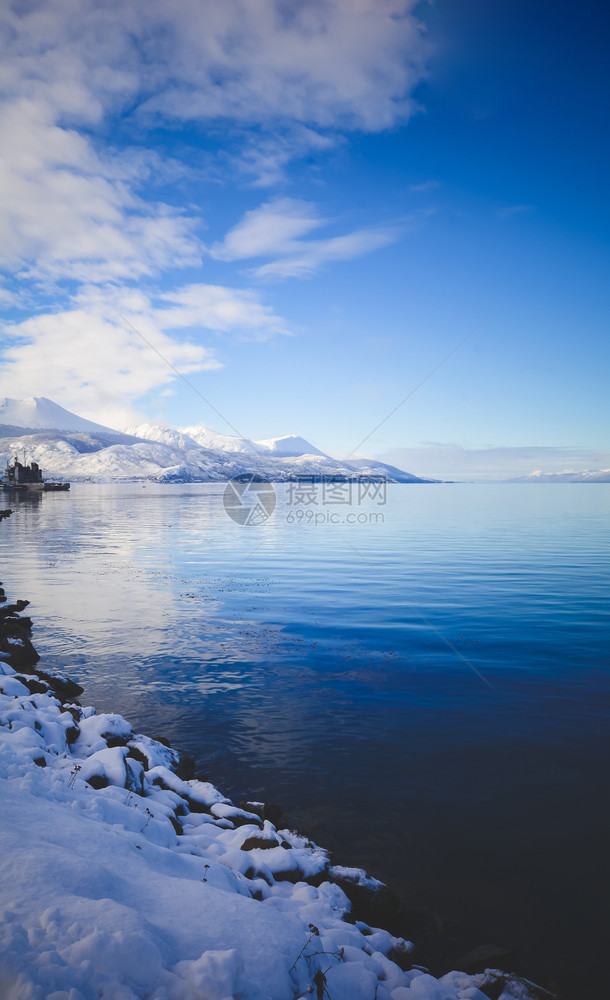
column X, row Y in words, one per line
column 125, row 877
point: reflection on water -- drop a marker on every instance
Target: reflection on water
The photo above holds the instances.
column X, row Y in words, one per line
column 299, row 670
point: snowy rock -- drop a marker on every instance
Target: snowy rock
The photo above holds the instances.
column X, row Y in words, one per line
column 371, row 900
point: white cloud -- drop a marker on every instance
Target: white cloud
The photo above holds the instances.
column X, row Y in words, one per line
column 65, row 213
column 264, row 157
column 90, row 358
column 326, row 63
column 347, row 63
column 71, row 67
column 312, row 254
column 218, row 308
column 82, row 80
column 276, row 228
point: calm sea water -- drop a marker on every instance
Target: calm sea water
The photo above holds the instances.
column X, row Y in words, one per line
column 426, row 694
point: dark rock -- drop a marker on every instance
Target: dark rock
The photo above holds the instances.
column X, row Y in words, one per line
column 23, row 656
column 237, row 820
column 65, row 689
column 115, row 741
column 316, row 880
column 494, row 987
column 33, row 686
column 293, row 875
column 487, row 956
column 265, row 810
column 72, row 734
column 376, row 905
column 98, row 781
column 532, row 989
column 137, row 754
column 185, row 767
column 197, row 807
column 16, row 608
column 255, row 843
column 176, row 825
column 163, row 741
column 402, row 957
column 40, row 761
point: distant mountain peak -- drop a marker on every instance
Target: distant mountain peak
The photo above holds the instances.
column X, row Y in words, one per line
column 565, row 476
column 289, row 446
column 40, row 413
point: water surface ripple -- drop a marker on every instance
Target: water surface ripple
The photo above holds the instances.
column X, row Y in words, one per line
column 296, row 669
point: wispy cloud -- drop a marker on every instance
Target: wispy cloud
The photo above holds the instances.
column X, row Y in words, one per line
column 263, row 157
column 276, row 229
column 88, row 357
column 68, row 213
column 509, row 211
column 424, row 187
column 273, row 228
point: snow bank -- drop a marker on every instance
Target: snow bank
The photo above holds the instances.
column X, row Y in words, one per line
column 122, row 880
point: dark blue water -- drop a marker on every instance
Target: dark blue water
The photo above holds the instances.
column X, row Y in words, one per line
column 427, row 694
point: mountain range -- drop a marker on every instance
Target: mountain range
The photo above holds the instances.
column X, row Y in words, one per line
column 70, row 447
column 568, row 476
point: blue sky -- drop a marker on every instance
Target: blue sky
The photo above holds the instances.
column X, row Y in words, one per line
column 305, row 208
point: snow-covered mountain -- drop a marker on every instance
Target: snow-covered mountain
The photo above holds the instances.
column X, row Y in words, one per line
column 568, row 476
column 68, row 446
column 217, row 441
column 371, row 467
column 290, row 446
column 40, row 413
column 165, row 435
